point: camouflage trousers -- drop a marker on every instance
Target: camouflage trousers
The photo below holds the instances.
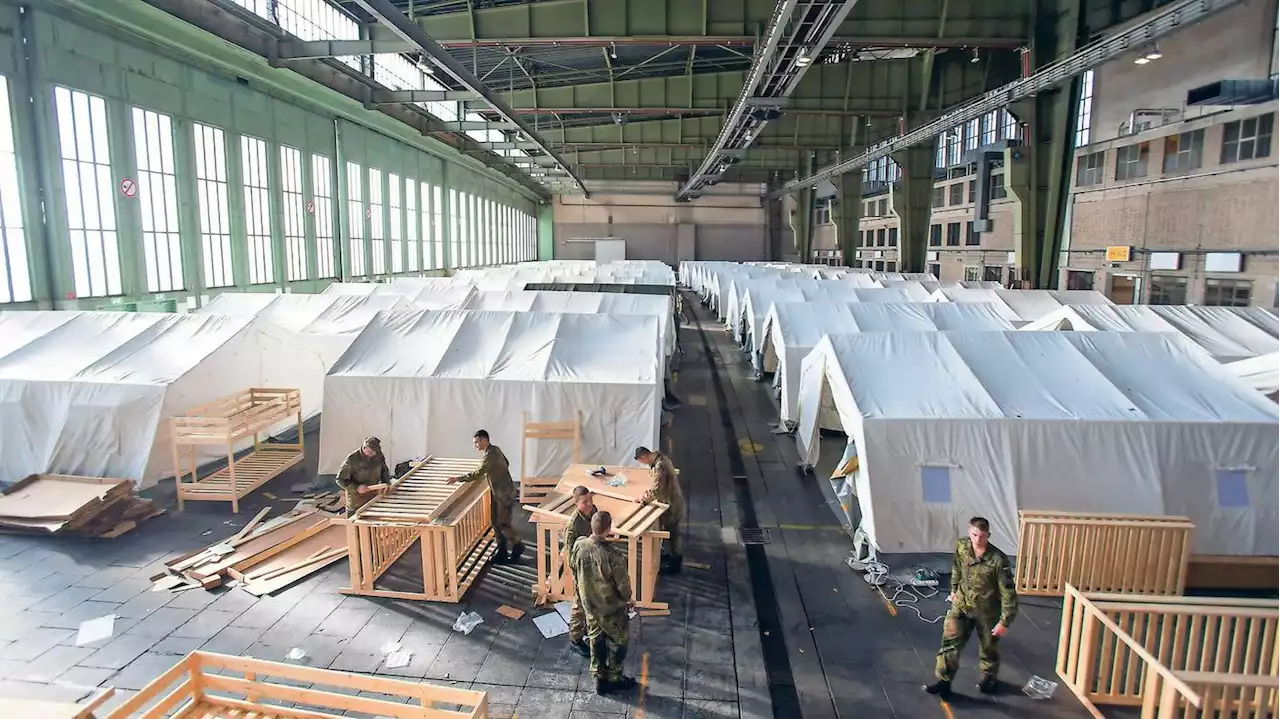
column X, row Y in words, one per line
column 356, row 500
column 956, row 629
column 607, row 655
column 500, row 519
column 577, row 622
column 674, row 545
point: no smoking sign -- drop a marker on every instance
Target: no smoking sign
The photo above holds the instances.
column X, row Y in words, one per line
column 129, row 188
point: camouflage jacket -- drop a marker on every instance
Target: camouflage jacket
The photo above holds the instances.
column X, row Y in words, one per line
column 358, row 469
column 602, row 585
column 496, row 467
column 666, row 485
column 579, row 526
column 984, row 586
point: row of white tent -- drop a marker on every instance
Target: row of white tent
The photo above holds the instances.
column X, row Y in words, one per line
column 90, row 392
column 967, row 403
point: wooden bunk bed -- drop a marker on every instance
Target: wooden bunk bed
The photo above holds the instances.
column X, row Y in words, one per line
column 534, row 489
column 225, row 423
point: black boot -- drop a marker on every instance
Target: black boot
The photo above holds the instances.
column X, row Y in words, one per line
column 516, row 551
column 989, row 685
column 941, row 688
column 500, row 556
column 671, row 564
column 580, row 647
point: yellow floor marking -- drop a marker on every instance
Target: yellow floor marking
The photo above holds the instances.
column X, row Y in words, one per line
column 644, row 682
column 946, row 709
column 749, row 447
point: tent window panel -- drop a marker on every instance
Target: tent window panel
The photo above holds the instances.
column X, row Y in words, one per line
column 257, row 217
column 89, row 192
column 377, row 235
column 322, row 196
column 355, row 219
column 935, row 485
column 395, row 231
column 411, row 223
column 295, row 226
column 158, row 200
column 1233, row 488
column 15, row 269
column 212, row 192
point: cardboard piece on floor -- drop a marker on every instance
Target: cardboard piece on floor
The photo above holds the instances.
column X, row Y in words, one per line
column 167, row 582
column 92, row 630
column 551, row 625
column 510, row 612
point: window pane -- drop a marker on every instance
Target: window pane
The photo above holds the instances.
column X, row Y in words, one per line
column 257, row 213
column 322, row 207
column 294, row 213
column 355, row 220
column 15, row 269
column 395, row 223
column 89, row 192
column 377, row 236
column 211, row 196
column 157, row 200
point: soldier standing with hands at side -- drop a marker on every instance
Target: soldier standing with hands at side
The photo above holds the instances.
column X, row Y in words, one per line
column 362, row 469
column 666, row 489
column 984, row 599
column 603, row 590
column 579, row 526
column 502, row 496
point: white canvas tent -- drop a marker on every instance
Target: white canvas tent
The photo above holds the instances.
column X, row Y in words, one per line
column 428, row 293
column 793, row 329
column 309, row 334
column 1227, row 334
column 1022, row 306
column 424, row 381
column 608, row 303
column 90, row 393
column 950, row 425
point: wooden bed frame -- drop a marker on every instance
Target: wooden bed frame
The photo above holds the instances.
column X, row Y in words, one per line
column 207, row 686
column 1141, row 554
column 451, row 523
column 224, row 422
column 633, row 524
column 1175, row 657
column 534, row 489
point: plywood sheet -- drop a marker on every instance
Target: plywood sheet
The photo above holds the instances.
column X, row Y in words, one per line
column 55, row 496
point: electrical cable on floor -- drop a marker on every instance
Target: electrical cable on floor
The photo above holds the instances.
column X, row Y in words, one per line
column 905, row 595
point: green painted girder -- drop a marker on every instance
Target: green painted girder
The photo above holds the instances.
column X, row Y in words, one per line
column 767, row 157
column 1003, row 19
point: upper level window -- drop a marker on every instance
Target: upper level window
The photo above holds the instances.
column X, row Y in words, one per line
column 822, row 213
column 957, row 193
column 998, row 191
column 1247, row 139
column 1131, row 161
column 1183, row 152
column 1089, row 169
column 939, row 197
column 935, row 235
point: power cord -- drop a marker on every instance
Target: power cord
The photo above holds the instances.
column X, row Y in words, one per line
column 905, row 595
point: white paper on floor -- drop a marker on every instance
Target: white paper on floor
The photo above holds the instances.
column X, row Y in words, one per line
column 565, row 610
column 296, row 655
column 467, row 621
column 395, row 660
column 91, row 630
column 551, row 625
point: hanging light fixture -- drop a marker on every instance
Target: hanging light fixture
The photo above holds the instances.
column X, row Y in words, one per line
column 1154, row 53
column 803, row 58
column 974, row 58
column 1141, row 60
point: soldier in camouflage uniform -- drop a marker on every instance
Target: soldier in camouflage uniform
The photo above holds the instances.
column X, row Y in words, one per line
column 984, row 599
column 666, row 489
column 603, row 589
column 360, row 470
column 579, row 526
column 502, row 497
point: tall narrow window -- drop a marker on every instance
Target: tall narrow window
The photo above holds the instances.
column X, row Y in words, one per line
column 158, row 200
column 430, row 212
column 411, row 224
column 457, row 221
column 322, row 208
column 295, row 226
column 89, row 193
column 257, row 211
column 15, row 269
column 211, row 195
column 355, row 219
column 486, row 248
column 437, row 225
column 395, row 223
column 377, row 235
column 1084, row 111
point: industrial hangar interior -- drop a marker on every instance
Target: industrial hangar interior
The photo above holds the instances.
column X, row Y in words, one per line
column 639, row 358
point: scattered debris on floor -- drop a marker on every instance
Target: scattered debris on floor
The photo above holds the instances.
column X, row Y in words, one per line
column 551, row 625
column 510, row 612
column 467, row 621
column 92, row 630
column 697, row 565
column 67, row 505
column 263, row 557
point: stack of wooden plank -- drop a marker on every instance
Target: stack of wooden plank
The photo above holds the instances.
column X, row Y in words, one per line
column 68, row 505
column 328, row 501
column 263, row 556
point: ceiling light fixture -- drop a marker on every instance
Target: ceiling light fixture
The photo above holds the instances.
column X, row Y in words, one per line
column 803, row 58
column 1141, row 60
column 1154, row 53
column 613, row 51
column 975, row 55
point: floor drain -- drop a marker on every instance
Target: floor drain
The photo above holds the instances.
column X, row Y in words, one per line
column 753, row 535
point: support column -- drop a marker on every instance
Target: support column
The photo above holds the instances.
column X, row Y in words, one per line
column 913, row 204
column 847, row 212
column 802, row 221
column 1039, row 172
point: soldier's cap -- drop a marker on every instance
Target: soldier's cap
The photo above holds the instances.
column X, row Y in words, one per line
column 641, row 451
column 373, row 443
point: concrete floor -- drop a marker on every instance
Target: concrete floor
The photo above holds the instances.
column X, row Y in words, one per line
column 780, row 629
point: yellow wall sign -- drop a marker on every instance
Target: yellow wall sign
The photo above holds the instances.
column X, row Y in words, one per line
column 1118, row 253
